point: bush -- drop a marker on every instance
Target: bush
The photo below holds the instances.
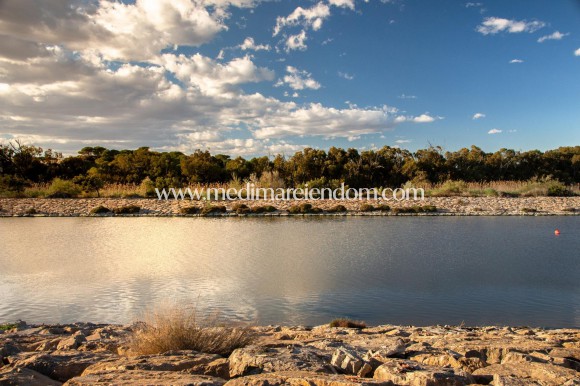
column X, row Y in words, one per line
column 429, row 208
column 383, row 208
column 367, row 208
column 31, row 211
column 415, row 209
column 178, row 328
column 343, row 322
column 100, row 209
column 129, row 209
column 213, row 209
column 450, row 188
column 556, row 189
column 337, row 209
column 241, row 209
column 264, row 209
column 303, row 208
column 63, row 189
column 189, row 210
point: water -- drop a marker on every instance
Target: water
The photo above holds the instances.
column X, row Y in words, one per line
column 405, row 270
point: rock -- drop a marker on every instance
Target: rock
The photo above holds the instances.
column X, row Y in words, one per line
column 218, row 368
column 144, row 377
column 304, row 378
column 255, row 360
column 72, row 343
column 499, row 380
column 191, row 361
column 9, row 348
column 446, row 360
column 12, row 376
column 404, row 372
column 547, row 374
column 349, row 362
column 60, row 366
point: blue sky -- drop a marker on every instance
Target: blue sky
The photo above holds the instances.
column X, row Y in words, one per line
column 264, row 77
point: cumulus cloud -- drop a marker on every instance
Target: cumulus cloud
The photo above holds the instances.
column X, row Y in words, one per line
column 478, row 116
column 298, row 80
column 312, row 17
column 250, row 45
column 494, row 131
column 296, row 42
column 494, row 25
column 516, row 61
column 424, row 118
column 345, row 75
column 557, row 35
column 342, row 3
column 577, row 52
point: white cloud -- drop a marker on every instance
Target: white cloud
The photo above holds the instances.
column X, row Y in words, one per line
column 494, row 131
column 405, row 96
column 478, row 116
column 296, row 42
column 298, row 80
column 249, row 44
column 475, row 5
column 401, row 141
column 306, row 17
column 515, row 61
column 494, row 25
column 557, row 35
column 577, row 52
column 345, row 75
column 424, row 118
column 342, row 3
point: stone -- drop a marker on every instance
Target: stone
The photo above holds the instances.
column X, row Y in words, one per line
column 255, row 360
column 409, row 373
column 71, row 343
column 499, row 380
column 347, row 361
column 144, row 377
column 304, row 378
column 58, row 365
column 191, row 361
column 16, row 376
column 446, row 360
column 547, row 374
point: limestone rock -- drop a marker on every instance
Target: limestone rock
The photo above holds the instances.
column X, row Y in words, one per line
column 14, row 376
column 144, row 377
column 499, row 380
column 304, row 378
column 547, row 374
column 255, row 360
column 71, row 343
column 404, row 372
column 349, row 362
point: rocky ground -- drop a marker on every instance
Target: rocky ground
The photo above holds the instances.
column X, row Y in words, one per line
column 152, row 207
column 91, row 354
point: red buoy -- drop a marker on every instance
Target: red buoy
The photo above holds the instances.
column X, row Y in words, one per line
column 557, row 232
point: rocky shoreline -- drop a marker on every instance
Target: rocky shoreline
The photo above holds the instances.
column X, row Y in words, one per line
column 453, row 206
column 98, row 354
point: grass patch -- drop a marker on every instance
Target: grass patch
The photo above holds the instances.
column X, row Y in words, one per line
column 415, row 209
column 129, row 209
column 189, row 210
column 179, row 328
column 31, row 211
column 367, row 208
column 529, row 210
column 348, row 323
column 264, row 209
column 100, row 209
column 7, row 326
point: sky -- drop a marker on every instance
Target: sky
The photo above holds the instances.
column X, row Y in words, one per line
column 251, row 77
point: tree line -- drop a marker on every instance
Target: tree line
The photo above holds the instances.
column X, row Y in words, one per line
column 22, row 165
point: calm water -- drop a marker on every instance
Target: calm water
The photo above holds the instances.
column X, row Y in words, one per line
column 412, row 270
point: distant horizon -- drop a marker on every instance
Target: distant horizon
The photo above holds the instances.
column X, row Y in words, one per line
column 257, row 77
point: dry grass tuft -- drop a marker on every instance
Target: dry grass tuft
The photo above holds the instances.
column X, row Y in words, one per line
column 179, row 328
column 343, row 322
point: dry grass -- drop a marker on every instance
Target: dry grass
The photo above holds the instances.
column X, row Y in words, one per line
column 178, row 328
column 343, row 322
column 530, row 188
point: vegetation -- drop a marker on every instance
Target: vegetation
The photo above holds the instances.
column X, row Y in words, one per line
column 189, row 210
column 30, row 171
column 179, row 328
column 415, row 209
column 129, row 209
column 343, row 322
column 303, row 208
column 211, row 209
column 366, row 208
column 100, row 210
column 31, row 211
column 7, row 326
column 337, row 209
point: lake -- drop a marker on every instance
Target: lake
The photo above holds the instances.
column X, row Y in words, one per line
column 398, row 270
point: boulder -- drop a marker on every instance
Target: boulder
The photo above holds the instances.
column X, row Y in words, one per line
column 72, row 343
column 404, row 372
column 447, row 360
column 349, row 362
column 16, row 376
column 547, row 374
column 144, row 377
column 255, row 360
column 499, row 380
column 191, row 361
column 304, row 378
column 58, row 365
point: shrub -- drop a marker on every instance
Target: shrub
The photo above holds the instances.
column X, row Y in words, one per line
column 343, row 322
column 573, row 210
column 129, row 209
column 429, row 208
column 189, row 210
column 366, row 208
column 556, row 189
column 100, row 209
column 303, row 208
column 264, row 209
column 63, row 189
column 31, row 211
column 383, row 208
column 213, row 209
column 178, row 328
column 337, row 209
column 241, row 209
column 8, row 326
column 450, row 188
